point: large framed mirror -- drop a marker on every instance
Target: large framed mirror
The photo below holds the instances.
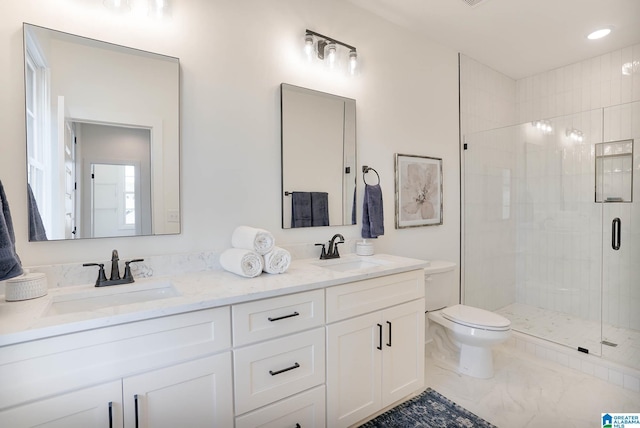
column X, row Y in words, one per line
column 318, row 158
column 103, row 138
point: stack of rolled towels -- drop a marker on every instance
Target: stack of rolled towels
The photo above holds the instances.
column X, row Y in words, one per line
column 254, row 251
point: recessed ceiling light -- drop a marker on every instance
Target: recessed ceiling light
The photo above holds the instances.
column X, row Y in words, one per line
column 598, row 34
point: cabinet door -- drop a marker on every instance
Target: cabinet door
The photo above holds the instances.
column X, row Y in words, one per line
column 403, row 357
column 99, row 406
column 193, row 394
column 353, row 369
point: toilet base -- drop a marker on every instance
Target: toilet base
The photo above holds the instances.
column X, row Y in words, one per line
column 476, row 361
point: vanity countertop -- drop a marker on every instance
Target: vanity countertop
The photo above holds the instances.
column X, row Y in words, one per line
column 28, row 320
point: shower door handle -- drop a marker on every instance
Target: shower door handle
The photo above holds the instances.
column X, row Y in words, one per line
column 616, row 226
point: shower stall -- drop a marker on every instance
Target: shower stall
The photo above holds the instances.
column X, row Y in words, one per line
column 552, row 229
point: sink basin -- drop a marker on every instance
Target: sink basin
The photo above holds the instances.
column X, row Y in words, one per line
column 98, row 298
column 350, row 265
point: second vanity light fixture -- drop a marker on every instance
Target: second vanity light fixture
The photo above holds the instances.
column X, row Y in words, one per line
column 328, row 49
column 153, row 8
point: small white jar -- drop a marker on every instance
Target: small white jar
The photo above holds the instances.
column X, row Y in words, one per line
column 364, row 248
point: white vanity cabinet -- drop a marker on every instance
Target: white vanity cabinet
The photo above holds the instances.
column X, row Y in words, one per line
column 279, row 361
column 375, row 355
column 293, row 353
column 177, row 366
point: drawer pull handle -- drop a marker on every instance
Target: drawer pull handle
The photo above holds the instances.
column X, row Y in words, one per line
column 295, row 314
column 135, row 399
column 110, row 414
column 379, row 337
column 389, row 342
column 277, row 372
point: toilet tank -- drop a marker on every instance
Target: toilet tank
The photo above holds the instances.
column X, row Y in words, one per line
column 439, row 285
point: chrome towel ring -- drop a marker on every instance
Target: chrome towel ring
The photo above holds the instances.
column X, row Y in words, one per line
column 366, row 169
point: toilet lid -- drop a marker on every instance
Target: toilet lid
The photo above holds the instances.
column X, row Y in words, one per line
column 475, row 317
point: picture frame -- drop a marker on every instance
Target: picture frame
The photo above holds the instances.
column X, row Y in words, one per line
column 418, row 191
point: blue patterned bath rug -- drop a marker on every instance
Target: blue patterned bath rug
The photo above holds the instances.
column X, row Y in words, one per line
column 428, row 410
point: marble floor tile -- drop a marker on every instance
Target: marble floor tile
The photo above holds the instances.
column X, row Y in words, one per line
column 529, row 392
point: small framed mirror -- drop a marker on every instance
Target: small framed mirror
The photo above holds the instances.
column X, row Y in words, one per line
column 318, row 158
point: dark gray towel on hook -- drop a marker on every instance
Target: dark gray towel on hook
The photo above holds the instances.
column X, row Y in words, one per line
column 300, row 209
column 372, row 212
column 10, row 265
column 36, row 228
column 319, row 209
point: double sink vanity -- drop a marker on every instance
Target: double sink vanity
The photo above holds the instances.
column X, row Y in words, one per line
column 328, row 343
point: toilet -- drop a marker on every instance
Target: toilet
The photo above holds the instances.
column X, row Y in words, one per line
column 463, row 335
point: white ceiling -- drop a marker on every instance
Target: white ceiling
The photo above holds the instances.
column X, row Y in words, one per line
column 518, row 38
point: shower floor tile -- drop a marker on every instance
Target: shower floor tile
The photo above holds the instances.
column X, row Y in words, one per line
column 575, row 332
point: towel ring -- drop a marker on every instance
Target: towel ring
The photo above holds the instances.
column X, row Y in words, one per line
column 366, row 169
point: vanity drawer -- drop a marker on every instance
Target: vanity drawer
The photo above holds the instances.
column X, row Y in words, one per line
column 57, row 364
column 276, row 369
column 306, row 409
column 269, row 318
column 357, row 298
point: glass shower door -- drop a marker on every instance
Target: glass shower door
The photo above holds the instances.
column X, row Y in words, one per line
column 617, row 187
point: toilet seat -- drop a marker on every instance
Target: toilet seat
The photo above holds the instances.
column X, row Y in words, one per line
column 476, row 318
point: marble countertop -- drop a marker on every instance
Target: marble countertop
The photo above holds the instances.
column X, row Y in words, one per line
column 32, row 319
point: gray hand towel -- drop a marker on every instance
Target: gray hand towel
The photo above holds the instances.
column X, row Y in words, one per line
column 10, row 265
column 36, row 228
column 319, row 209
column 300, row 209
column 372, row 213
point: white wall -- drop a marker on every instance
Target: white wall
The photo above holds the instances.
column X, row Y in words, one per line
column 234, row 55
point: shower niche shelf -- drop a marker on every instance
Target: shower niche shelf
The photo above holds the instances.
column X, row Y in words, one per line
column 614, row 172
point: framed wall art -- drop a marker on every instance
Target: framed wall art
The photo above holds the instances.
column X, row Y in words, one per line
column 418, row 191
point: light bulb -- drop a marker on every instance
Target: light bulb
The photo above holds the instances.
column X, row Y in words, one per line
column 353, row 61
column 332, row 54
column 308, row 46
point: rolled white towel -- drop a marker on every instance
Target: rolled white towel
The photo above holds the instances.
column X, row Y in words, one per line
column 251, row 238
column 242, row 262
column 277, row 260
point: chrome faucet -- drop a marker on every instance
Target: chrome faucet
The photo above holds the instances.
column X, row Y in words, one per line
column 115, row 278
column 332, row 251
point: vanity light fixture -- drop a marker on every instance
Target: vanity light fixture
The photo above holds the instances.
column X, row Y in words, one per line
column 152, row 8
column 598, row 34
column 117, row 5
column 329, row 49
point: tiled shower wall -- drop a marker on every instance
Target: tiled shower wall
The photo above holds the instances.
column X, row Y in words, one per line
column 603, row 81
